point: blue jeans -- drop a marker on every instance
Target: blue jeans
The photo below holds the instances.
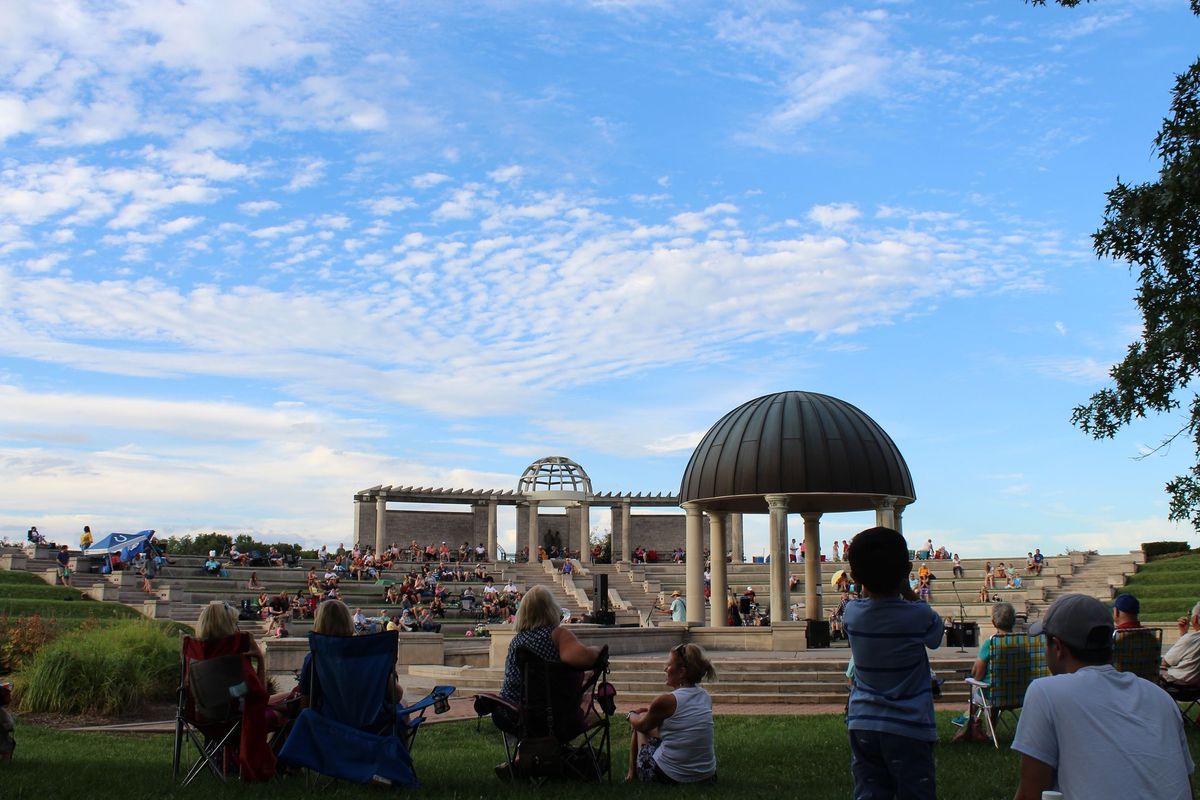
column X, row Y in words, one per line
column 887, row 766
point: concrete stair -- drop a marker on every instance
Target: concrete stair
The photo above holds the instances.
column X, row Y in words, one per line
column 766, row 678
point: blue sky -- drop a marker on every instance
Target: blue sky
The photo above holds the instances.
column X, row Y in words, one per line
column 256, row 257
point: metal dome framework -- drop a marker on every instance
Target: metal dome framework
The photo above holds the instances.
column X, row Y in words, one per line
column 555, row 479
column 784, row 453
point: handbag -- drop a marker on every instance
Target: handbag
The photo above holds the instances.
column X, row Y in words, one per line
column 536, row 753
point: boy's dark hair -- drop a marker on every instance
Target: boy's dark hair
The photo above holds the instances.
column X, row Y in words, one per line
column 879, row 560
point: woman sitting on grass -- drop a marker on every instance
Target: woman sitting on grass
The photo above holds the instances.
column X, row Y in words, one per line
column 672, row 740
column 219, row 635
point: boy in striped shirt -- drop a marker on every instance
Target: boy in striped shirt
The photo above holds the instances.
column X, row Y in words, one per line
column 890, row 717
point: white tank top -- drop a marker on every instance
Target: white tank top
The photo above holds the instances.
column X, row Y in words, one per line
column 686, row 753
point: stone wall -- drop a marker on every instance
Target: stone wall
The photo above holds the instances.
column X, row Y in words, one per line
column 427, row 527
column 661, row 532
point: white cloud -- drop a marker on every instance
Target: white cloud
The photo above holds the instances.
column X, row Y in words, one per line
column 256, row 207
column 506, row 174
column 428, row 180
column 275, row 231
column 834, row 215
column 548, row 284
column 307, row 174
column 385, row 206
column 180, row 224
column 1073, row 368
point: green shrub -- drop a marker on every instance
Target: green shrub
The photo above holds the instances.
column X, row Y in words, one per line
column 102, row 669
column 1157, row 549
column 22, row 637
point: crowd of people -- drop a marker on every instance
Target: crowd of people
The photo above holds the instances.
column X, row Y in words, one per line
column 1072, row 735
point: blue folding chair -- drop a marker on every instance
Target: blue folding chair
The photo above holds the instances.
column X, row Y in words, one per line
column 350, row 730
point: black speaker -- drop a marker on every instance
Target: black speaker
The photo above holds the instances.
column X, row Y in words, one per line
column 816, row 634
column 599, row 593
column 963, row 634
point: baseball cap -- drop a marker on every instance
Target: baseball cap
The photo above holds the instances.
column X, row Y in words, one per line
column 1127, row 604
column 1080, row 621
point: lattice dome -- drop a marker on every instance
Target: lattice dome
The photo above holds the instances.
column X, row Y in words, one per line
column 555, row 478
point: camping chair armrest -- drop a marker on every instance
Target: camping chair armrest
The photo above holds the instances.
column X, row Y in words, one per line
column 487, row 702
column 438, row 697
column 980, row 684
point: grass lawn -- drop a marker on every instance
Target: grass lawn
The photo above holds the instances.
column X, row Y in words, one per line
column 760, row 758
column 1167, row 587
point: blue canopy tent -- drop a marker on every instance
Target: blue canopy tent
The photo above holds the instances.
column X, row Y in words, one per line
column 127, row 545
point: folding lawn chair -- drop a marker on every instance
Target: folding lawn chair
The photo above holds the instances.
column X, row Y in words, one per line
column 561, row 727
column 1188, row 697
column 221, row 712
column 1138, row 650
column 350, row 729
column 1014, row 661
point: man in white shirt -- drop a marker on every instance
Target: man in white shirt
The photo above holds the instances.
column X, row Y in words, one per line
column 510, row 587
column 1181, row 664
column 1090, row 731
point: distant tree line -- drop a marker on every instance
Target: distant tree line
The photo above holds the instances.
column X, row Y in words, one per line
column 201, row 543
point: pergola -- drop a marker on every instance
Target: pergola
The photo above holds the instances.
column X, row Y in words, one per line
column 789, row 452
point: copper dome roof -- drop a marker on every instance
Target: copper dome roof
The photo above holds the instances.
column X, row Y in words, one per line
column 822, row 452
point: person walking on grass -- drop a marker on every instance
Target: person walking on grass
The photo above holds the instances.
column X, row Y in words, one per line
column 890, row 713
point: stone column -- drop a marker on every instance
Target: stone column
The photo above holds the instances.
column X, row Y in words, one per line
column 777, row 504
column 532, row 533
column 614, row 513
column 585, row 532
column 380, row 523
column 626, row 533
column 735, row 529
column 491, row 530
column 885, row 513
column 357, row 521
column 812, row 565
column 694, row 563
column 898, row 512
column 718, row 580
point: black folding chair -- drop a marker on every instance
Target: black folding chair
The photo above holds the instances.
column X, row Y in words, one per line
column 209, row 715
column 561, row 727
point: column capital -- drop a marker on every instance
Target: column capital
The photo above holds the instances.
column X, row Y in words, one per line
column 717, row 515
column 811, row 516
column 776, row 501
column 886, row 503
column 691, row 507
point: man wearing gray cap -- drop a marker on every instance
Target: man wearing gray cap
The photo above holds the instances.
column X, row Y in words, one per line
column 1090, row 731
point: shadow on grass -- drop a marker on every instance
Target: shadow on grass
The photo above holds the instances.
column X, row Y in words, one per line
column 760, row 758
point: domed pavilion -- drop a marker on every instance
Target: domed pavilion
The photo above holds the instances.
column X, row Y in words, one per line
column 788, row 452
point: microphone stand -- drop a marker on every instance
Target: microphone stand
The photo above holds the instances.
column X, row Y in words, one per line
column 962, row 618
